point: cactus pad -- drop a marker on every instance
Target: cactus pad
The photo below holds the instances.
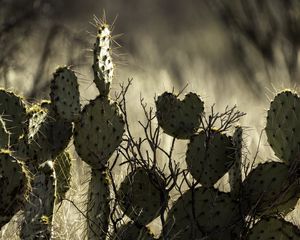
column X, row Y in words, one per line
column 51, row 137
column 38, row 212
column 203, row 212
column 139, row 197
column 282, row 127
column 99, row 132
column 274, row 228
column 131, row 231
column 65, row 94
column 13, row 113
column 180, row 119
column 62, row 167
column 47, row 136
column 14, row 182
column 98, row 209
column 269, row 188
column 209, row 157
column 103, row 67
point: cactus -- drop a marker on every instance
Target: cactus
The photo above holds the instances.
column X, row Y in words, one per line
column 99, row 132
column 65, row 94
column 180, row 119
column 47, row 137
column 203, row 212
column 133, row 231
column 282, row 127
column 103, row 66
column 39, row 135
column 98, row 210
column 274, row 228
column 15, row 186
column 13, row 113
column 270, row 188
column 209, row 156
column 38, row 211
column 96, row 136
column 139, row 197
column 62, row 168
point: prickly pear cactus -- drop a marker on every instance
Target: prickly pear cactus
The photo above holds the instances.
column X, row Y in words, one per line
column 270, row 188
column 209, row 156
column 180, row 119
column 139, row 197
column 98, row 210
column 13, row 113
column 64, row 94
column 103, row 66
column 62, row 167
column 14, row 182
column 4, row 135
column 38, row 211
column 274, row 228
column 48, row 136
column 282, row 127
column 99, row 132
column 203, row 213
column 131, row 231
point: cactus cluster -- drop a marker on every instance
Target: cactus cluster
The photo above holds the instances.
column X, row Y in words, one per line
column 35, row 166
column 32, row 136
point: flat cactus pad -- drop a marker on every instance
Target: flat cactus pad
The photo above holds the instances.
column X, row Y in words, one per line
column 180, row 119
column 209, row 157
column 99, row 132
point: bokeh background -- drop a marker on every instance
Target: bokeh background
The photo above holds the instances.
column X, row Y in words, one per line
column 231, row 52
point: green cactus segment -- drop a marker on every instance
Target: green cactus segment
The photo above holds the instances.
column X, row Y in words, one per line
column 132, row 231
column 180, row 119
column 47, row 136
column 139, row 197
column 14, row 182
column 51, row 139
column 62, row 167
column 98, row 210
column 203, row 213
column 99, row 132
column 274, row 228
column 269, row 188
column 103, row 66
column 4, row 135
column 235, row 173
column 65, row 94
column 209, row 157
column 282, row 127
column 38, row 210
column 13, row 113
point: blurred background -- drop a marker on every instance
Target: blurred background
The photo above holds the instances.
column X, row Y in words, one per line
column 231, row 52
